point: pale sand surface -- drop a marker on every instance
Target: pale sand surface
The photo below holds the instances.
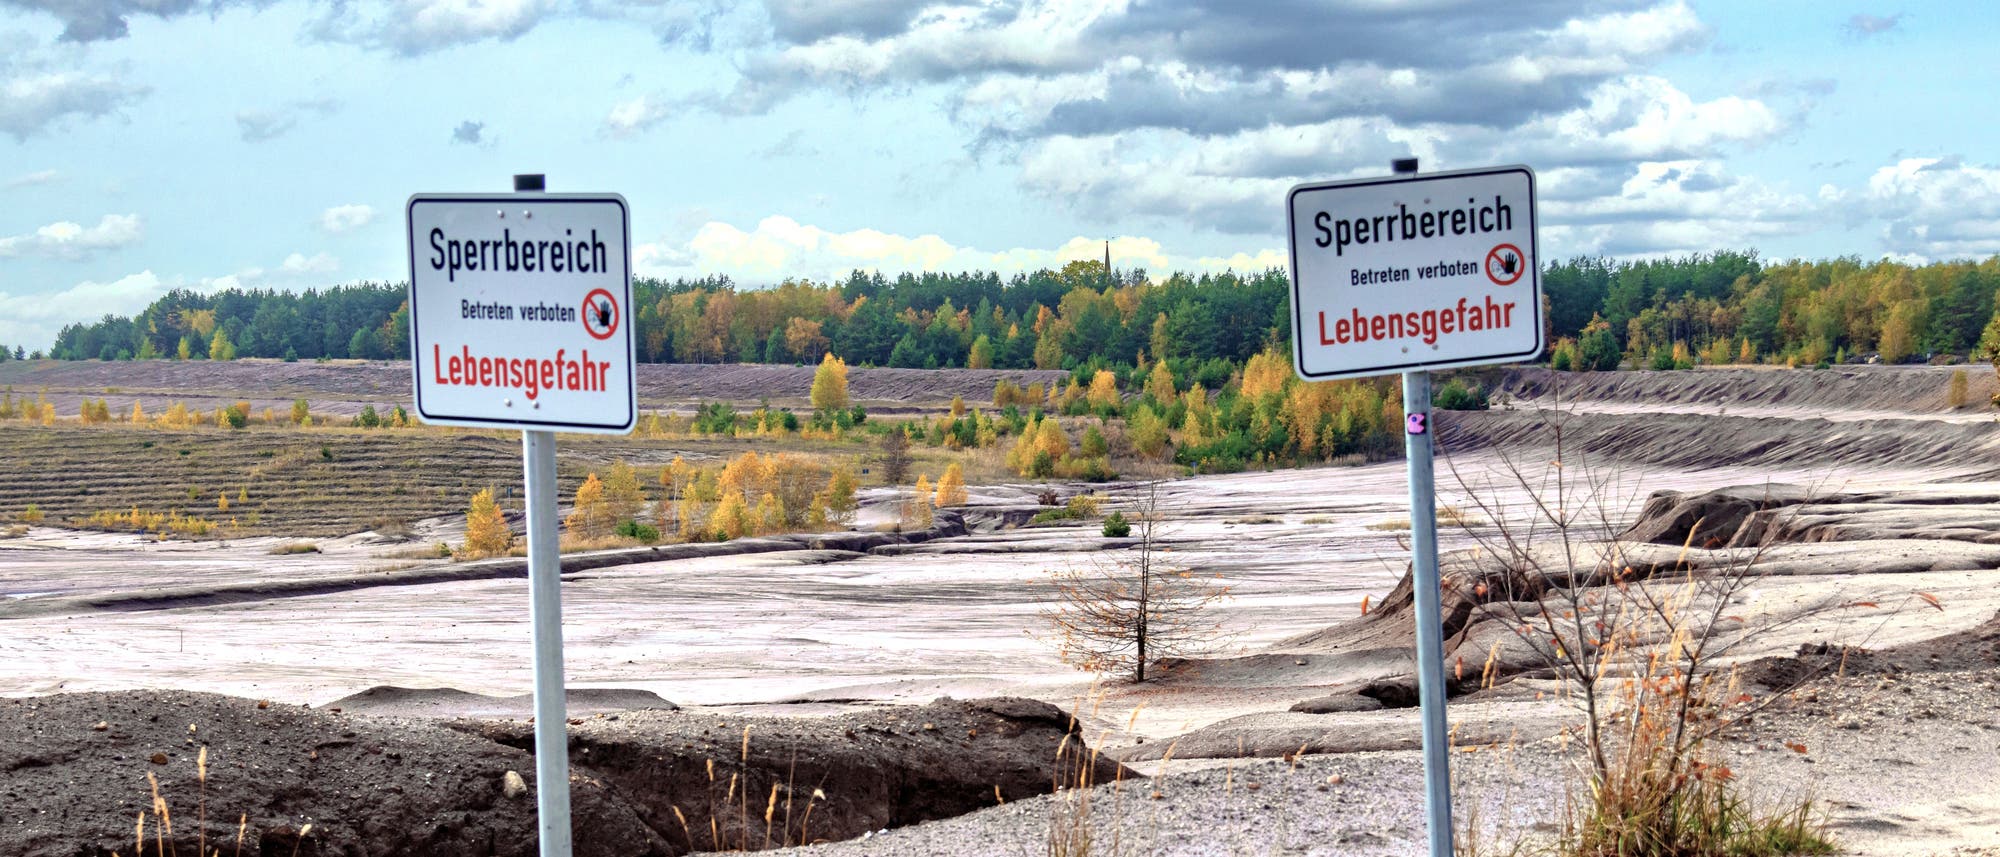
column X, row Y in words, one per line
column 796, row 633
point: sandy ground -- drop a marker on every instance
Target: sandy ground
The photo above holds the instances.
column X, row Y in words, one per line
column 735, row 630
column 342, row 387
column 807, row 633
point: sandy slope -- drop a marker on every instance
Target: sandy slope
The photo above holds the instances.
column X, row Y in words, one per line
column 792, row 632
column 342, row 387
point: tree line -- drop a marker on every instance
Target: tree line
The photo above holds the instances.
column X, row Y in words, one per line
column 1721, row 307
column 1732, row 307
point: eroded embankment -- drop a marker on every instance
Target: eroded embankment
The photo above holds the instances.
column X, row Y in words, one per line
column 1701, row 441
column 1916, row 390
column 154, row 382
column 1904, row 572
column 294, row 780
column 168, row 598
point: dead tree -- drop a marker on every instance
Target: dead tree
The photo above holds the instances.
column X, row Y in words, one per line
column 1116, row 617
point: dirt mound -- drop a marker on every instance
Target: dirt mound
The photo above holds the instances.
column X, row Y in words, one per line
column 1912, row 389
column 747, row 382
column 341, row 387
column 393, row 701
column 945, row 524
column 1709, row 518
column 1701, row 441
column 878, row 769
column 1975, row 648
column 365, row 786
column 73, row 768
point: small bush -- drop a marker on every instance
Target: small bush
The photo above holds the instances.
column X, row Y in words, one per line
column 1455, row 396
column 1116, row 527
column 291, row 548
column 644, row 533
column 1084, row 505
column 32, row 514
column 1061, row 513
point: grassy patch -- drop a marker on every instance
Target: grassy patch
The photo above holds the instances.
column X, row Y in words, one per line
column 291, row 548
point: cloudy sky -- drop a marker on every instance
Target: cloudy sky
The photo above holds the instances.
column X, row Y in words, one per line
column 149, row 144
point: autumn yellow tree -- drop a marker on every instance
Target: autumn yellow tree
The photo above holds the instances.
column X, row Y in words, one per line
column 981, row 354
column 486, row 532
column 1160, row 383
column 951, row 487
column 590, row 516
column 622, row 496
column 769, row 514
column 732, row 518
column 837, row 499
column 915, row 513
column 1265, row 373
column 1051, row 440
column 1048, row 349
column 1147, row 432
column 1104, row 389
column 220, row 348
column 803, row 337
column 829, row 388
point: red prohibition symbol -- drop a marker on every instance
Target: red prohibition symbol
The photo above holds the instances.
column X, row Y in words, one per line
column 1505, row 264
column 600, row 314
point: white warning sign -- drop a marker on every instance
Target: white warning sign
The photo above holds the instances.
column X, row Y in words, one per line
column 1414, row 273
column 519, row 311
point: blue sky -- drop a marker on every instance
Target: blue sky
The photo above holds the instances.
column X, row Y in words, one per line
column 153, row 144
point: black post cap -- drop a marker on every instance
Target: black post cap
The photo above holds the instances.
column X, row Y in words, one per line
column 1404, row 165
column 530, row 181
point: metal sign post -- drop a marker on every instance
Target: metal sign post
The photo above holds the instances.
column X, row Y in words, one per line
column 538, row 457
column 519, row 318
column 1399, row 275
column 1427, row 584
column 538, row 463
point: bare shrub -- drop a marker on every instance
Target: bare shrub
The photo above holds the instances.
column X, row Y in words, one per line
column 1117, row 617
column 1641, row 636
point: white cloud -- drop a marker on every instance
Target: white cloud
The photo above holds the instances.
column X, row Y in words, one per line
column 40, row 88
column 1647, row 118
column 1935, row 207
column 100, row 20
column 346, row 218
column 31, row 320
column 412, row 27
column 1673, row 208
column 632, row 116
column 1863, row 25
column 779, row 247
column 258, row 125
column 72, row 242
column 1233, row 182
column 297, row 271
column 31, row 179
column 1041, row 68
